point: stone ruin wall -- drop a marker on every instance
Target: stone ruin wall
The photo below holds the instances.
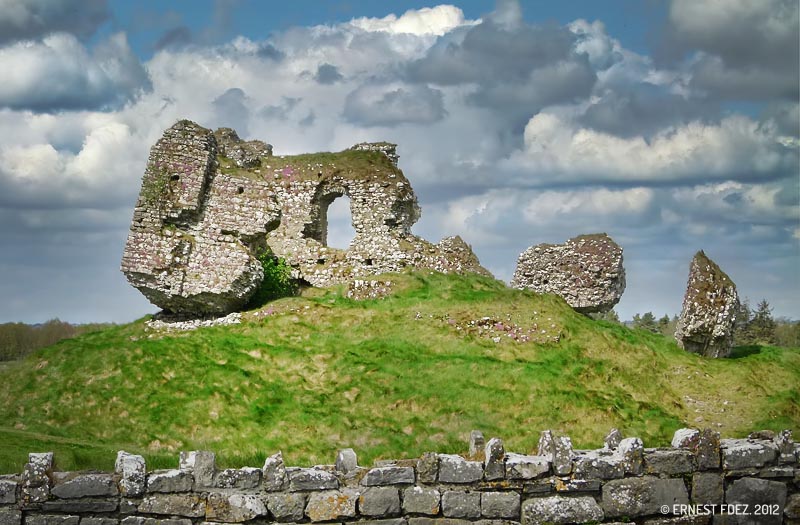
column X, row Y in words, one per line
column 623, row 481
column 210, row 201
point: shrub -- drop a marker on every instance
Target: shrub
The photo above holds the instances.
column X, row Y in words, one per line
column 277, row 281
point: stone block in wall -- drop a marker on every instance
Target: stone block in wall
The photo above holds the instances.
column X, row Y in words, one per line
column 189, row 505
column 379, row 501
column 81, row 505
column 286, row 506
column 428, row 467
column 421, row 500
column 391, row 475
column 311, row 479
column 494, row 460
column 457, row 504
column 779, row 471
column 455, row 469
column 635, row 497
column 560, row 509
column 540, row 486
column 631, row 451
column 754, row 491
column 503, row 505
column 569, row 485
column 707, row 488
column 495, row 522
column 51, row 519
column 331, row 505
column 687, row 438
column 519, row 466
column 346, row 461
column 69, row 485
column 8, row 491
column 238, row 478
column 708, row 450
column 388, row 521
column 273, row 474
column 668, row 462
column 203, row 465
column 175, row 480
column 562, row 455
column 9, row 516
column 234, row 508
column 94, row 520
column 128, row 505
column 601, row 464
column 683, row 520
column 438, row 521
column 134, row 472
column 477, row 445
column 740, row 454
column 612, row 439
column 792, row 509
column 139, row 520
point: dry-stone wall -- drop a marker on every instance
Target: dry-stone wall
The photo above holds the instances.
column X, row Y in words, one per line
column 586, row 271
column 747, row 481
column 709, row 310
column 210, row 202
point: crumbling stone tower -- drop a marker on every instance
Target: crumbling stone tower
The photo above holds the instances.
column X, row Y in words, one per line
column 210, row 202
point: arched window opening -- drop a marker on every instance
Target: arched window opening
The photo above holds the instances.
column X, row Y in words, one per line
column 340, row 224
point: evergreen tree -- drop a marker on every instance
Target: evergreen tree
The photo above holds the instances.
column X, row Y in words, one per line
column 646, row 322
column 762, row 325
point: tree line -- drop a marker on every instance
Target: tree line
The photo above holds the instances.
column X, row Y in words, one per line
column 19, row 339
column 754, row 326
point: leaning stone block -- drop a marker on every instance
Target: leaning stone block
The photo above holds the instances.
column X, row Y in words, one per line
column 311, row 479
column 559, row 510
column 52, row 519
column 286, row 506
column 391, row 475
column 8, row 491
column 752, row 492
column 170, row 481
column 189, row 505
column 234, row 508
column 331, row 505
column 379, row 501
column 500, row 505
column 421, row 500
column 456, row 504
column 9, row 516
column 428, row 467
column 134, row 472
column 708, row 450
column 203, row 465
column 743, row 454
column 238, row 478
column 669, row 462
column 635, row 497
column 545, row 447
column 494, row 460
column 455, row 469
column 273, row 474
column 598, row 464
column 34, row 496
column 519, row 466
column 85, row 485
column 80, row 505
column 35, row 472
column 707, row 488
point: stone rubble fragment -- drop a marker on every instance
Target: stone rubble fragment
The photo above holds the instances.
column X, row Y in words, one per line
column 586, row 271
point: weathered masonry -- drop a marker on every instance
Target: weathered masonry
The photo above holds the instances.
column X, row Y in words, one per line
column 210, row 203
column 758, row 478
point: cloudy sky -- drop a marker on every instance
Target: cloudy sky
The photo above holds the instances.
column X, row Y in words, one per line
column 670, row 125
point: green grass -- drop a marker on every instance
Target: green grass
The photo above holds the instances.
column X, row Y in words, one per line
column 391, row 378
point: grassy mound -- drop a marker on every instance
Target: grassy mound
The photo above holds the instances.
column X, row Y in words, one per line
column 394, row 377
